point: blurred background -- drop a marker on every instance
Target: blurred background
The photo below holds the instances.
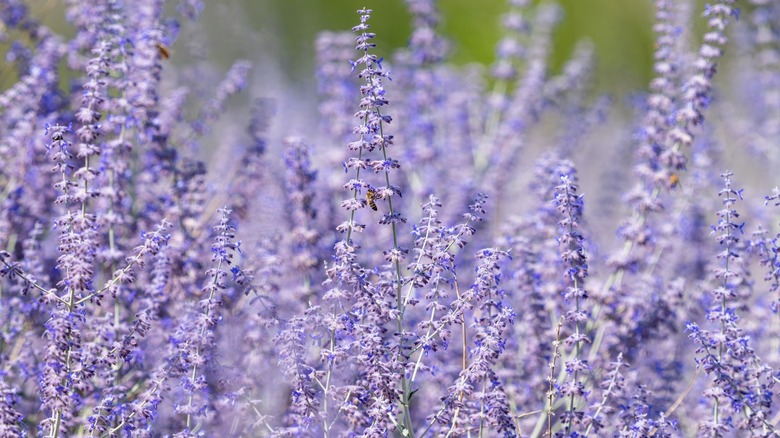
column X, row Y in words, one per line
column 278, row 37
column 620, row 30
column 285, row 33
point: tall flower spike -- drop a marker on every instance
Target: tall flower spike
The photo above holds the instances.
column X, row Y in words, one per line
column 508, row 137
column 767, row 248
column 426, row 45
column 536, row 282
column 392, row 394
column 661, row 103
column 253, row 164
column 304, row 238
column 198, row 334
column 771, row 250
column 570, row 242
column 10, row 419
column 740, row 395
column 334, row 84
column 764, row 79
column 371, row 135
column 697, row 91
column 435, row 269
column 511, row 49
column 233, row 82
column 476, row 400
column 77, row 246
column 374, row 304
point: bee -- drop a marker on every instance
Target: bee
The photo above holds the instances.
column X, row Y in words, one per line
column 371, row 198
column 674, row 180
column 163, row 50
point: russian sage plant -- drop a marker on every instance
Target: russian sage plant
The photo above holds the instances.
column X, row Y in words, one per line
column 435, row 258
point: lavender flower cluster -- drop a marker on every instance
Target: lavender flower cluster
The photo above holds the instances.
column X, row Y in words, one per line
column 422, row 264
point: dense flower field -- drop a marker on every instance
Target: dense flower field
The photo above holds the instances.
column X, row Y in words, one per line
column 422, row 263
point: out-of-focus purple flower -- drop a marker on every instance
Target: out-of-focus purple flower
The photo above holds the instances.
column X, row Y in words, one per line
column 425, row 44
column 697, row 90
column 511, row 49
column 335, row 86
column 10, row 418
column 252, row 165
column 656, row 151
column 191, row 9
column 233, row 82
column 304, row 238
column 502, row 143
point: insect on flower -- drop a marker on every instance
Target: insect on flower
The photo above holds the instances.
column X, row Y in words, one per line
column 370, row 198
column 164, row 51
column 674, row 180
